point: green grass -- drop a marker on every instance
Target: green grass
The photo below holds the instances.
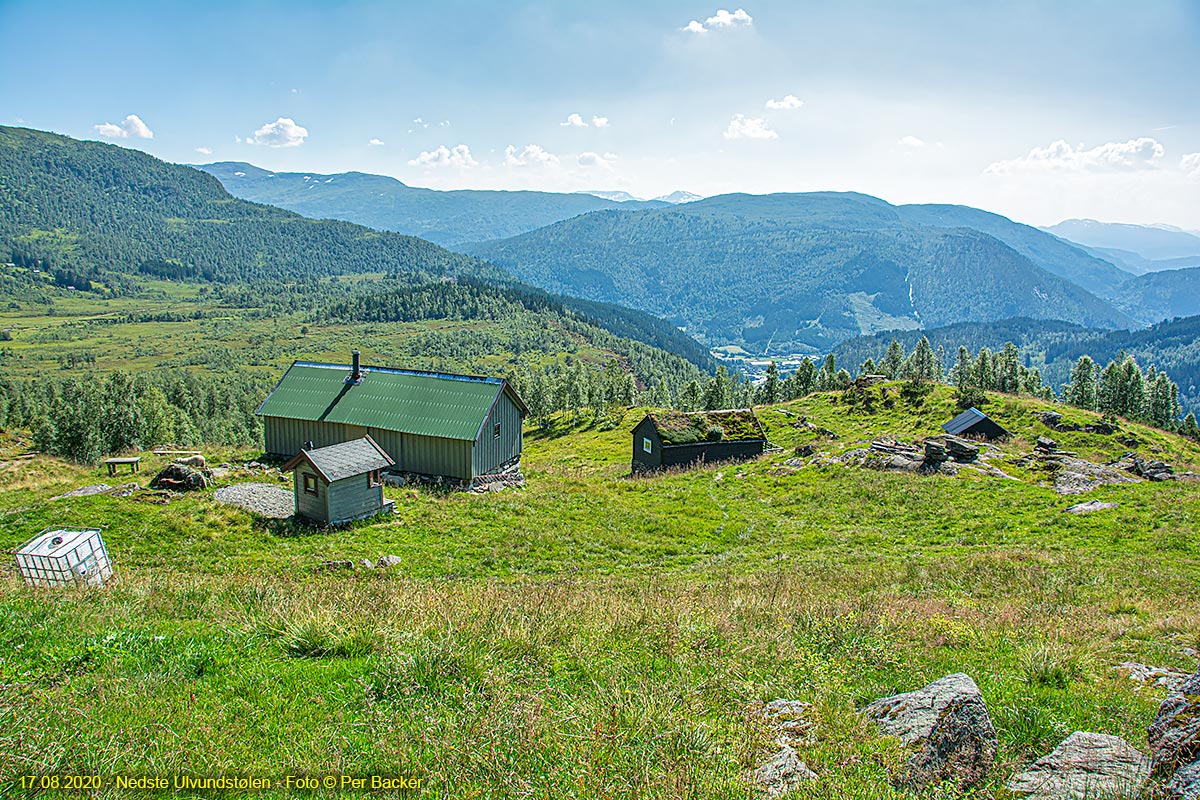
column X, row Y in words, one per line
column 598, row 635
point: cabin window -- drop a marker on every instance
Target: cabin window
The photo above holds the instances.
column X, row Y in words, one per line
column 496, row 431
column 375, row 477
column 647, row 445
column 310, row 484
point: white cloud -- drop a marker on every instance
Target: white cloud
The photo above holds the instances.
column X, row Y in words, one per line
column 596, row 160
column 787, row 103
column 1142, row 153
column 283, row 132
column 457, row 156
column 204, row 151
column 911, row 142
column 131, row 127
column 725, row 19
column 532, row 155
column 1191, row 165
column 421, row 122
column 573, row 121
column 376, row 143
column 600, row 122
column 722, row 19
column 743, row 127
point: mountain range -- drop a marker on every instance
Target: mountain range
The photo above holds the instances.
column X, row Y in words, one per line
column 1136, row 248
column 386, row 204
column 108, row 214
column 801, row 272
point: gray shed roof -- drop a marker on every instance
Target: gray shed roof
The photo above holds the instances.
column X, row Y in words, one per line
column 969, row 419
column 344, row 460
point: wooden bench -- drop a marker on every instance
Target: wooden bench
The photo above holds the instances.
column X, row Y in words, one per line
column 133, row 462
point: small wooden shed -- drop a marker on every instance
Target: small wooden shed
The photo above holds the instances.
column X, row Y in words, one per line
column 677, row 438
column 974, row 422
column 340, row 483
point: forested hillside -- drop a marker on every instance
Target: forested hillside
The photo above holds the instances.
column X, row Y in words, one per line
column 103, row 212
column 781, row 273
column 1055, row 347
column 384, row 203
column 1161, row 295
column 1049, row 252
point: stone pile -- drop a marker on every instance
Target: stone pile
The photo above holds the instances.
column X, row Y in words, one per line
column 180, row 478
column 1053, row 421
column 1150, row 470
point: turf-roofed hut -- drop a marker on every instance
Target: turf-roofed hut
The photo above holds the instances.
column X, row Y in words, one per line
column 340, row 483
column 974, row 422
column 430, row 423
column 677, row 438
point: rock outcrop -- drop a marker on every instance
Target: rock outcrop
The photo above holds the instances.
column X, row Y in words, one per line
column 179, row 478
column 947, row 724
column 1085, row 765
column 782, row 773
column 1185, row 783
column 1175, row 734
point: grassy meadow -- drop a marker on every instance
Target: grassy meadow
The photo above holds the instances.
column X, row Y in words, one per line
column 595, row 635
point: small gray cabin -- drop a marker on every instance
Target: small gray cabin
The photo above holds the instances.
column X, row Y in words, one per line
column 340, row 483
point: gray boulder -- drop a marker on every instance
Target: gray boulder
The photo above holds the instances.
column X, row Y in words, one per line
column 387, row 562
column 1185, row 784
column 1085, row 765
column 1175, row 733
column 782, row 773
column 790, row 718
column 948, row 726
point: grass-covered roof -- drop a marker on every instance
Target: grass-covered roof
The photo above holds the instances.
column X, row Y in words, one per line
column 689, row 427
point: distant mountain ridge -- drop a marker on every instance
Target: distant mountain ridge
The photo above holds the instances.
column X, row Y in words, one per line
column 386, row 204
column 805, row 271
column 1138, row 248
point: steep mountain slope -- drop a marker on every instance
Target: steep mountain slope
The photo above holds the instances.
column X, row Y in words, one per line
column 385, row 203
column 94, row 212
column 1162, row 295
column 792, row 272
column 90, row 207
column 1151, row 242
column 1051, row 253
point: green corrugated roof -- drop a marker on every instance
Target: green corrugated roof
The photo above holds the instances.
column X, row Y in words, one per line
column 420, row 403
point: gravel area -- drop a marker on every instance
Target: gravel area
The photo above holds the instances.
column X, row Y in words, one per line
column 264, row 499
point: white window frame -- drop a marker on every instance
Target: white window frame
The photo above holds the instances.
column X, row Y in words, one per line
column 647, row 445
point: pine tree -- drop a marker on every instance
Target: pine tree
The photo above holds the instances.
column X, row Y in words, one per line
column 806, row 378
column 868, row 367
column 827, row 375
column 893, row 360
column 771, row 390
column 1084, row 389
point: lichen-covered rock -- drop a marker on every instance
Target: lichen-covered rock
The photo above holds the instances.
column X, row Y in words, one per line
column 1085, row 765
column 947, row 723
column 790, row 718
column 1185, row 783
column 1175, row 733
column 782, row 773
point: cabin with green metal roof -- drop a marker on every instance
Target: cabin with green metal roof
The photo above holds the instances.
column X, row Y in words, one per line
column 430, row 423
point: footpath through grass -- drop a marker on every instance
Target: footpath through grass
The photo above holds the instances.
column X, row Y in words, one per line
column 594, row 635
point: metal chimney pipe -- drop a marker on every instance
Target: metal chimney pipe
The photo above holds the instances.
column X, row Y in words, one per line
column 356, row 372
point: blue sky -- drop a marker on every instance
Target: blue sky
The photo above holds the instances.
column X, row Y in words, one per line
column 1039, row 111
